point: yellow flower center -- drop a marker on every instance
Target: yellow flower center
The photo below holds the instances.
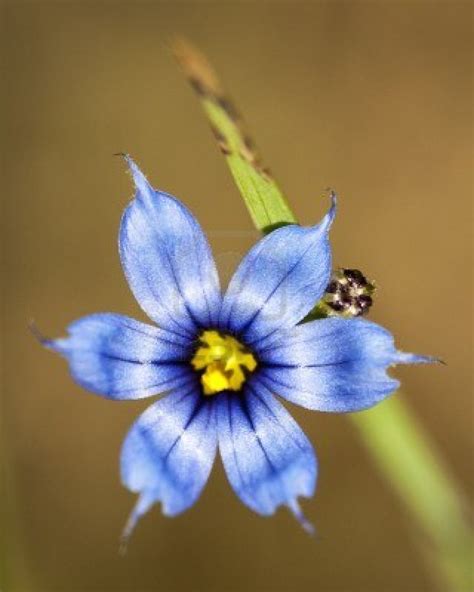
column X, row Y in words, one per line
column 225, row 362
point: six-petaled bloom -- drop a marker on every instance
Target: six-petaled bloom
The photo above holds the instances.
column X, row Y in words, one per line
column 222, row 358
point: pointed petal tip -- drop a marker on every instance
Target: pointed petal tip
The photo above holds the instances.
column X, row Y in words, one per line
column 329, row 217
column 332, row 194
column 39, row 336
column 408, row 358
column 140, row 508
column 33, row 328
column 139, row 179
column 132, row 166
column 297, row 512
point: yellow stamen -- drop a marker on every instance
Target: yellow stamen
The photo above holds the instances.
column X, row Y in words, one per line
column 224, row 361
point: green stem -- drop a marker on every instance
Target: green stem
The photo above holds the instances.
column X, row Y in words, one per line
column 405, row 455
column 402, row 450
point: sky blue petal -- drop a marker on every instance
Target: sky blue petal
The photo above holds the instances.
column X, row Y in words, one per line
column 168, row 261
column 120, row 358
column 336, row 365
column 168, row 453
column 279, row 281
column 268, row 459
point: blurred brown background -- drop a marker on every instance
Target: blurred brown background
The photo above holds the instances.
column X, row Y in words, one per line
column 373, row 99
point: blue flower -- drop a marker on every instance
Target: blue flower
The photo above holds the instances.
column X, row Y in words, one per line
column 221, row 359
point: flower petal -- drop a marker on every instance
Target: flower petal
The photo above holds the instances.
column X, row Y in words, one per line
column 120, row 358
column 279, row 281
column 167, row 260
column 168, row 453
column 268, row 459
column 336, row 365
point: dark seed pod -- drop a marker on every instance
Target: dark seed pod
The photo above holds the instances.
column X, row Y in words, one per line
column 349, row 294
